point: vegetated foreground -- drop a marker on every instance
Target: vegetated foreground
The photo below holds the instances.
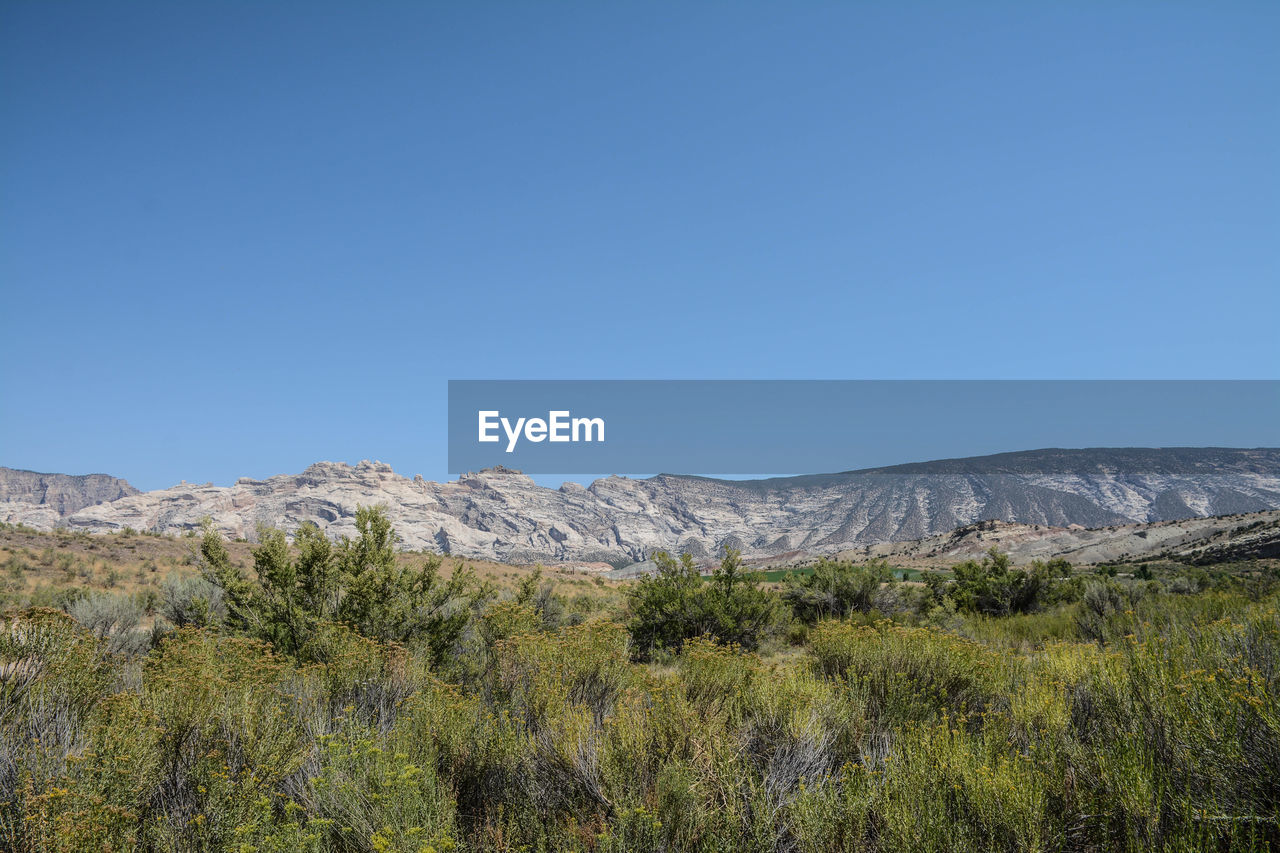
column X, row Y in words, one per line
column 335, row 697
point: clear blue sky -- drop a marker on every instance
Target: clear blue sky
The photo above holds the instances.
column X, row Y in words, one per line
column 236, row 238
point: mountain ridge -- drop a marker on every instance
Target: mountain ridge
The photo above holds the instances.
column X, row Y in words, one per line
column 502, row 514
column 967, row 464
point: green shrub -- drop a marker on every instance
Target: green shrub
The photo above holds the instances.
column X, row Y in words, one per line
column 992, row 586
column 54, row 675
column 1134, row 719
column 674, row 605
column 115, row 620
column 187, row 602
column 370, row 798
column 359, row 582
column 901, row 673
column 835, row 588
column 228, row 736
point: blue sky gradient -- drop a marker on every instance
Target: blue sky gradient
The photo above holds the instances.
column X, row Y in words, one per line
column 237, row 238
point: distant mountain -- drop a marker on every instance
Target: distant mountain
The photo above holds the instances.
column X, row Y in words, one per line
column 502, row 514
column 1221, row 538
column 62, row 494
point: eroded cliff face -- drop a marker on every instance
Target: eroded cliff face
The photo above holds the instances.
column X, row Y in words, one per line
column 503, row 515
column 61, row 494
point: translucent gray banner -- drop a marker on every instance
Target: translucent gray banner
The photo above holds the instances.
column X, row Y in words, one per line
column 740, row 427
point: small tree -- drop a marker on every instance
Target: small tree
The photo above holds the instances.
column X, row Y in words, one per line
column 318, row 575
column 214, row 562
column 665, row 606
column 371, row 579
column 836, row 588
column 736, row 608
column 383, row 599
column 287, row 622
column 675, row 605
column 995, row 588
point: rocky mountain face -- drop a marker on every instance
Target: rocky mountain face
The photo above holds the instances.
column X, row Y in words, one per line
column 1220, row 538
column 60, row 494
column 503, row 515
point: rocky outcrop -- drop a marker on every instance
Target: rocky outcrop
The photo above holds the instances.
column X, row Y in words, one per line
column 61, row 494
column 503, row 515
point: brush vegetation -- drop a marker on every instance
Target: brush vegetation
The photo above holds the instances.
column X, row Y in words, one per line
column 334, row 696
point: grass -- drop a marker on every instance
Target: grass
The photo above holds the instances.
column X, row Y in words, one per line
column 1148, row 722
column 44, row 568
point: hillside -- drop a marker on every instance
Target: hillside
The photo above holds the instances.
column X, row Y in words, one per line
column 503, row 515
column 60, row 494
column 1218, row 539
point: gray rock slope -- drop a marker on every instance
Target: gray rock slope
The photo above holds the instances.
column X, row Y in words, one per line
column 503, row 515
column 61, row 494
column 1220, row 538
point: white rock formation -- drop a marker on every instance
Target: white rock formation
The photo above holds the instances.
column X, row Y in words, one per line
column 503, row 515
